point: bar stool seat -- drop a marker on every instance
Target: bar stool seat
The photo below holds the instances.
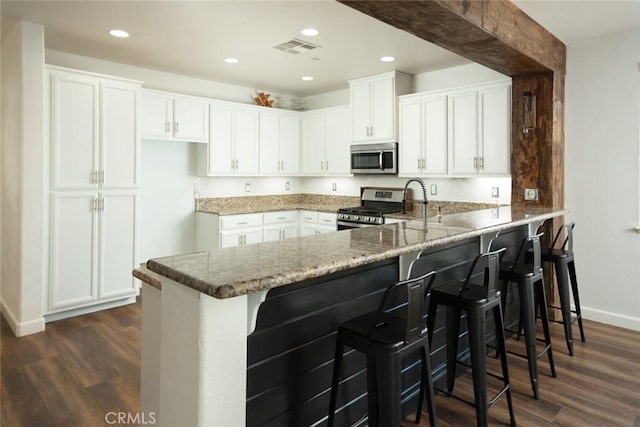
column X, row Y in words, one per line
column 564, row 263
column 526, row 271
column 386, row 338
column 477, row 300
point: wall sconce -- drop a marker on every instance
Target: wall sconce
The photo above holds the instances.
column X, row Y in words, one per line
column 528, row 113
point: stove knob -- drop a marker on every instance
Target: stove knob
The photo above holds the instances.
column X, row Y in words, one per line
column 370, row 219
column 357, row 218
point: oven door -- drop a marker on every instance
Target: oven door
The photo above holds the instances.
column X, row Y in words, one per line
column 347, row 225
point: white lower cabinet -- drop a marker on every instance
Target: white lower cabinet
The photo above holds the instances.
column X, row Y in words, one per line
column 238, row 230
column 280, row 225
column 316, row 223
column 93, row 248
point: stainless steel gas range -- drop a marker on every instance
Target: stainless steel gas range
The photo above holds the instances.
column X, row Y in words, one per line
column 375, row 203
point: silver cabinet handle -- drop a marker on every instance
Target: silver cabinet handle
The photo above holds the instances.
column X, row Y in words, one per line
column 240, row 239
column 284, row 233
column 475, row 163
column 236, row 164
column 371, row 130
column 167, row 126
column 424, row 164
column 102, row 204
column 232, row 164
column 326, row 165
column 176, row 128
column 101, row 177
column 321, row 165
column 243, row 223
column 481, row 162
column 94, row 204
column 419, row 163
column 94, row 177
column 244, row 239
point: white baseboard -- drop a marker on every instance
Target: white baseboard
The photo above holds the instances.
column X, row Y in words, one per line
column 610, row 318
column 21, row 329
column 64, row 314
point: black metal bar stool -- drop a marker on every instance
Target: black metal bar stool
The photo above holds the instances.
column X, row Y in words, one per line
column 563, row 261
column 526, row 271
column 386, row 338
column 477, row 301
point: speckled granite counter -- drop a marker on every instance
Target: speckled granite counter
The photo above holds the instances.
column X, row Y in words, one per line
column 226, row 273
column 315, row 202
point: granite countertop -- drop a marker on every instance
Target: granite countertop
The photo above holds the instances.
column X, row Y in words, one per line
column 230, row 272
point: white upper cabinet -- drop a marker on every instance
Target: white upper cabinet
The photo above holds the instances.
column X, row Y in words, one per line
column 463, row 133
column 423, row 135
column 494, row 145
column 94, row 133
column 233, row 141
column 169, row 116
column 279, row 142
column 480, row 131
column 373, row 106
column 74, row 131
column 326, row 141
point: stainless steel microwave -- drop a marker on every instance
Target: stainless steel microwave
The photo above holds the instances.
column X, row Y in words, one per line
column 375, row 158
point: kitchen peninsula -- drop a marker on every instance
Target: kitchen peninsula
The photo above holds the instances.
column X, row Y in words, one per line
column 245, row 335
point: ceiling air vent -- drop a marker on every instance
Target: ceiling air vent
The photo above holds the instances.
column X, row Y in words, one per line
column 296, row 46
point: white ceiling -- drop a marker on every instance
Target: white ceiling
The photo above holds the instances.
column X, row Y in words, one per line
column 193, row 37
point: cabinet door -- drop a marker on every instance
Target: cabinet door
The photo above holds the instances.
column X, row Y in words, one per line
column 221, row 139
column 190, row 120
column 313, row 144
column 308, row 230
column 246, row 140
column 74, row 127
column 411, row 141
column 252, row 236
column 289, row 231
column 229, row 239
column 269, row 142
column 156, row 116
column 117, row 244
column 337, row 142
column 495, row 130
column 119, row 146
column 271, row 233
column 72, row 267
column 383, row 110
column 360, row 111
column 290, row 143
column 435, row 134
column 463, row 133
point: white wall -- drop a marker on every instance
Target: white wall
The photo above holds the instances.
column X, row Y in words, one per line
column 602, row 166
column 167, row 219
column 22, row 182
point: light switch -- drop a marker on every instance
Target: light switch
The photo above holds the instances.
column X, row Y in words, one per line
column 495, row 191
column 287, row 186
column 247, row 187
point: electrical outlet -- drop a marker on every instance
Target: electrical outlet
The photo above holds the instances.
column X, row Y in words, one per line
column 531, row 194
column 287, row 186
column 495, row 191
column 334, row 186
column 433, row 189
column 247, row 187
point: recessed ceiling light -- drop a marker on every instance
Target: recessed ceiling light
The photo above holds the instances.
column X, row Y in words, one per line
column 119, row 33
column 311, row 32
column 388, row 58
column 231, row 60
column 307, row 78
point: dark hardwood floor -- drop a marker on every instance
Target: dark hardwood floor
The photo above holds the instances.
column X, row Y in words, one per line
column 81, row 369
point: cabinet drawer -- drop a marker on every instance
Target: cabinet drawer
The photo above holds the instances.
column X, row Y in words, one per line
column 309, row 217
column 325, row 218
column 238, row 221
column 280, row 217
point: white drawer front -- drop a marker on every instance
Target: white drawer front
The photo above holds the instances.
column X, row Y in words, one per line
column 325, row 218
column 280, row 217
column 240, row 221
column 309, row 217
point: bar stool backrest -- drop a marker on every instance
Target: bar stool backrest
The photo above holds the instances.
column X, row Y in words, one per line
column 530, row 247
column 489, row 263
column 416, row 288
column 567, row 245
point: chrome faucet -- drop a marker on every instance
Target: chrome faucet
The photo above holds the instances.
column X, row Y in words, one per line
column 424, row 197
